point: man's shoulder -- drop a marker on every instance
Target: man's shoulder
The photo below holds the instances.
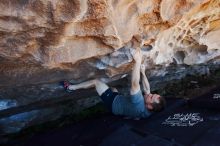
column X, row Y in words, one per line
column 120, row 97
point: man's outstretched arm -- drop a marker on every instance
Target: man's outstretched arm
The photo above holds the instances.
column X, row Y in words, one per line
column 145, row 82
column 135, row 75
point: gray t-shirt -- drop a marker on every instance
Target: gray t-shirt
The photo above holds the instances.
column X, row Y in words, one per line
column 132, row 106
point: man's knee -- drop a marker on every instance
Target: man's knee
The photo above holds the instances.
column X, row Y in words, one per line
column 101, row 87
column 114, row 89
column 97, row 81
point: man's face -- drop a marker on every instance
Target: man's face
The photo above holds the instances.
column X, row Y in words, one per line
column 149, row 99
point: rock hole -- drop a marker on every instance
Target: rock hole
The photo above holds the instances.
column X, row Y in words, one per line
column 202, row 49
column 188, row 32
column 179, row 57
column 146, row 48
column 156, row 54
column 170, row 44
column 178, row 38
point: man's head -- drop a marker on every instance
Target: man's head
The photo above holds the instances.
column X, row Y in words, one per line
column 154, row 102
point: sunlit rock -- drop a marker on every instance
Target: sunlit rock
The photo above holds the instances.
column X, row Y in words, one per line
column 43, row 42
column 193, row 40
column 43, row 36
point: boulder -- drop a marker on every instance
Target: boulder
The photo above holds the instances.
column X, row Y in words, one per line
column 43, row 42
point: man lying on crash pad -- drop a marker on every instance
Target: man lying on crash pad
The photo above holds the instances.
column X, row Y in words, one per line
column 136, row 105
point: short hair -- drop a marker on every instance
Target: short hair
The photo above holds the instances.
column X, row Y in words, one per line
column 157, row 107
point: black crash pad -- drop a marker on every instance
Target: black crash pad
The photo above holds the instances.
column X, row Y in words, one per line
column 183, row 123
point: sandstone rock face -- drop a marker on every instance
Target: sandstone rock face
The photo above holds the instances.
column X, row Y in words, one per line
column 193, row 40
column 44, row 37
column 45, row 41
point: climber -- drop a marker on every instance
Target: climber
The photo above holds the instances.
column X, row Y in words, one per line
column 136, row 105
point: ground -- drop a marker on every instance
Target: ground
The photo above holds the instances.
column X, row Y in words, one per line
column 96, row 126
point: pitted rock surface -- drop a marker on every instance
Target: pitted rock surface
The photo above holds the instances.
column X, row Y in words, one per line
column 43, row 42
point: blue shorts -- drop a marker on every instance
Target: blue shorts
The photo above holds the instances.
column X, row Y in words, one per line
column 108, row 97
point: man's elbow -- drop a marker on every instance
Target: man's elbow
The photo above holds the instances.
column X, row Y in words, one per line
column 134, row 89
column 135, row 85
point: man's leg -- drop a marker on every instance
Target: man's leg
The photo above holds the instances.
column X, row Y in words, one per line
column 114, row 89
column 105, row 93
column 99, row 85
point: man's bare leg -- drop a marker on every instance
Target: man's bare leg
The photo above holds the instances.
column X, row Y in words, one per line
column 99, row 85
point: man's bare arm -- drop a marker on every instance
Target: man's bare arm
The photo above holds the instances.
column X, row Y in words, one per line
column 145, row 82
column 135, row 76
